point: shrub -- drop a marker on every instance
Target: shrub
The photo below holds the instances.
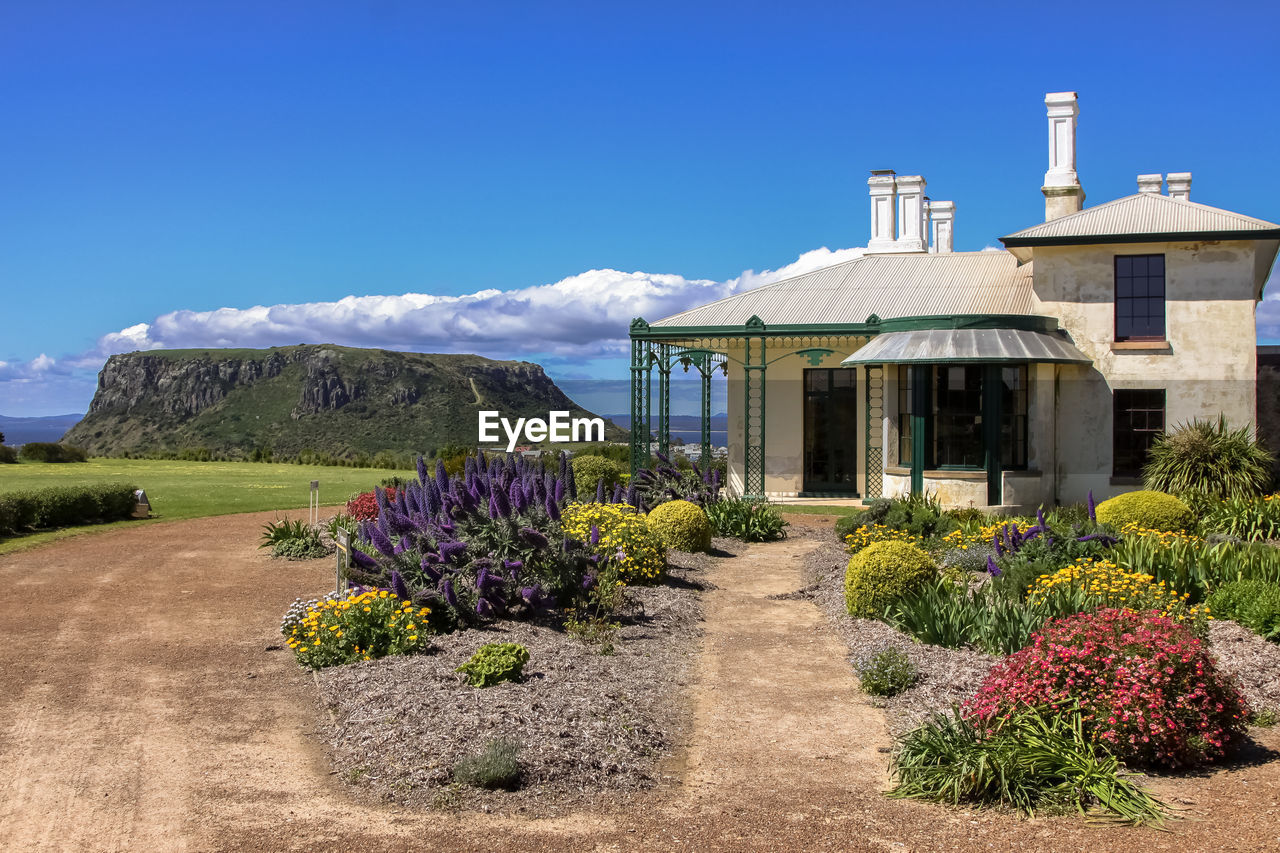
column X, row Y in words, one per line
column 1087, row 586
column 293, row 540
column 882, row 573
column 846, row 524
column 666, row 482
column 588, row 471
column 1251, row 519
column 955, row 616
column 8, row 456
column 1253, row 604
column 494, row 663
column 363, row 625
column 623, row 534
column 1026, row 761
column 682, row 526
column 748, row 519
column 1146, row 688
column 364, row 506
column 868, row 534
column 920, row 515
column 1192, row 565
column 886, row 673
column 496, row 768
column 1147, row 509
column 1210, row 459
column 65, row 506
column 46, row 451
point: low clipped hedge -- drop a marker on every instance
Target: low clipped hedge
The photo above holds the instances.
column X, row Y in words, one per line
column 681, row 525
column 65, row 506
column 1147, row 509
column 589, row 470
column 883, row 573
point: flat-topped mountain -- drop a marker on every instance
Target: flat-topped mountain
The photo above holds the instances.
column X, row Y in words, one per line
column 328, row 399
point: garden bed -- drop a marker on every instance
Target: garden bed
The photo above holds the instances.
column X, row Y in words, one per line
column 589, row 726
column 948, row 676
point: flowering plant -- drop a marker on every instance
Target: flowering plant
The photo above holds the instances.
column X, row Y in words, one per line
column 1147, row 689
column 1088, row 585
column 364, row 506
column 363, row 625
column 623, row 535
column 867, row 534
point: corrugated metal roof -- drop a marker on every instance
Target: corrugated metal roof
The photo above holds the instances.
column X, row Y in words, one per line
column 906, row 285
column 987, row 345
column 1140, row 215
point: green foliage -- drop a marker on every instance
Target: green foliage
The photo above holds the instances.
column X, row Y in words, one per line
column 494, row 663
column 341, row 522
column 682, row 526
column 920, row 515
column 1253, row 604
column 620, row 453
column 882, row 573
column 496, row 768
column 1196, row 567
column 748, row 519
column 1030, row 761
column 886, row 673
column 64, row 506
column 588, row 471
column 1252, row 519
column 846, row 524
column 292, row 540
column 46, row 451
column 8, row 456
column 1208, row 458
column 363, row 625
column 951, row 615
column 1147, row 509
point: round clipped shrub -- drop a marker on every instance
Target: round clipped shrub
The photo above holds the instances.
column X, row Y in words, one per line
column 618, row 531
column 589, row 470
column 1150, row 510
column 681, row 525
column 888, row 672
column 1147, row 689
column 882, row 573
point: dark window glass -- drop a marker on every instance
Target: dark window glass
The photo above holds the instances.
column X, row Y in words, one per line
column 1139, row 297
column 830, row 430
column 1139, row 418
column 904, row 414
column 1013, row 416
column 957, row 419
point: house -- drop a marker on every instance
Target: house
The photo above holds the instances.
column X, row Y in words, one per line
column 1003, row 378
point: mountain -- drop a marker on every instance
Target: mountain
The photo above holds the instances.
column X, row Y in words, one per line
column 328, row 399
column 23, row 430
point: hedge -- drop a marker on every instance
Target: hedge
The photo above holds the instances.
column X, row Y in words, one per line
column 64, row 506
column 48, row 451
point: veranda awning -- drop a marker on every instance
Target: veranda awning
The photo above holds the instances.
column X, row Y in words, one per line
column 968, row 345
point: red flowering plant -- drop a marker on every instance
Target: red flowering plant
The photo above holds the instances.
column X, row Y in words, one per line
column 364, row 506
column 1147, row 689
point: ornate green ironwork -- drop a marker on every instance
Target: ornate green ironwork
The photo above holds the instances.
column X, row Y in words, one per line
column 815, row 355
column 754, row 366
column 874, row 420
column 639, row 402
column 706, row 362
column 663, row 360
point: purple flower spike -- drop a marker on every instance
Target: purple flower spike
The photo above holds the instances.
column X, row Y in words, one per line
column 1093, row 509
column 1040, row 518
column 484, row 608
column 398, row 585
column 553, row 508
column 362, row 560
column 992, row 568
column 451, row 550
column 534, row 538
column 595, row 535
column 501, row 501
column 617, row 494
column 449, row 595
column 422, row 470
column 996, row 545
column 381, row 541
column 559, row 491
column 493, row 505
column 588, row 581
column 600, row 491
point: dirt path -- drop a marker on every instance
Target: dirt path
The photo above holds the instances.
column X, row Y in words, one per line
column 141, row 710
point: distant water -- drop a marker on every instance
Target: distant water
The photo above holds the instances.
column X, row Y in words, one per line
column 719, row 438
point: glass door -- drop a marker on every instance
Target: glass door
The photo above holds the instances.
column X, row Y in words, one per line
column 831, row 430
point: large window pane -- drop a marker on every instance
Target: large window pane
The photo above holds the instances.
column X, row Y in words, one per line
column 1138, row 419
column 957, row 420
column 1139, row 297
column 1013, row 416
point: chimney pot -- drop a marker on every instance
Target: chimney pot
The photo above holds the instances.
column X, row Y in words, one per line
column 1180, row 185
column 1063, row 194
column 942, row 216
column 1150, row 183
column 911, row 236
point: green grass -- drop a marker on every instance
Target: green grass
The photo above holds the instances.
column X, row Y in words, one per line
column 817, row 509
column 179, row 490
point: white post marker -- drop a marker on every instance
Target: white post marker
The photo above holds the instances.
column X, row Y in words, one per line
column 343, row 545
column 313, row 503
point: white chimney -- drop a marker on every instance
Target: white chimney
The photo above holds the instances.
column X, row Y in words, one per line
column 1180, row 185
column 942, row 216
column 1151, row 184
column 884, row 211
column 911, row 236
column 924, row 223
column 1063, row 194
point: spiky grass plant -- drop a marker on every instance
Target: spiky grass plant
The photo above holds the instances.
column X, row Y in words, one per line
column 1032, row 761
column 1209, row 459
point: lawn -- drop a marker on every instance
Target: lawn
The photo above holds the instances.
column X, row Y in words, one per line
column 180, row 490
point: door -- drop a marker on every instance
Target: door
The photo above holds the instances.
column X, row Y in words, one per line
column 831, row 430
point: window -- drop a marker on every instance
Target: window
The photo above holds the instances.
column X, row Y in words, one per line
column 1139, row 418
column 957, row 418
column 1013, row 417
column 904, row 414
column 1139, row 297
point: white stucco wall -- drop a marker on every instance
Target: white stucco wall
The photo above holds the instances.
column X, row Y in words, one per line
column 1208, row 367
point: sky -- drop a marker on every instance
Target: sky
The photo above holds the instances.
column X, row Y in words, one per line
column 520, row 179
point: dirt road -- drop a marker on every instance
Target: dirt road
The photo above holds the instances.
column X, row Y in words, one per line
column 141, row 710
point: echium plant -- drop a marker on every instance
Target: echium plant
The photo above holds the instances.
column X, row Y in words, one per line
column 484, row 544
column 665, row 482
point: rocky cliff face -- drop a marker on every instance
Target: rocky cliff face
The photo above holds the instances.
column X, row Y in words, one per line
column 328, row 399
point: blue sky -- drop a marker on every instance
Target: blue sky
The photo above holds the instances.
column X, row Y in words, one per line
column 164, row 161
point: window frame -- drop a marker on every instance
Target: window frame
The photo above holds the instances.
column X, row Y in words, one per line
column 1129, row 300
column 1126, row 417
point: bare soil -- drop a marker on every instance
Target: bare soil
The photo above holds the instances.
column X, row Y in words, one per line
column 142, row 710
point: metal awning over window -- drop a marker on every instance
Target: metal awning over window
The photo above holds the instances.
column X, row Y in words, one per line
column 990, row 346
